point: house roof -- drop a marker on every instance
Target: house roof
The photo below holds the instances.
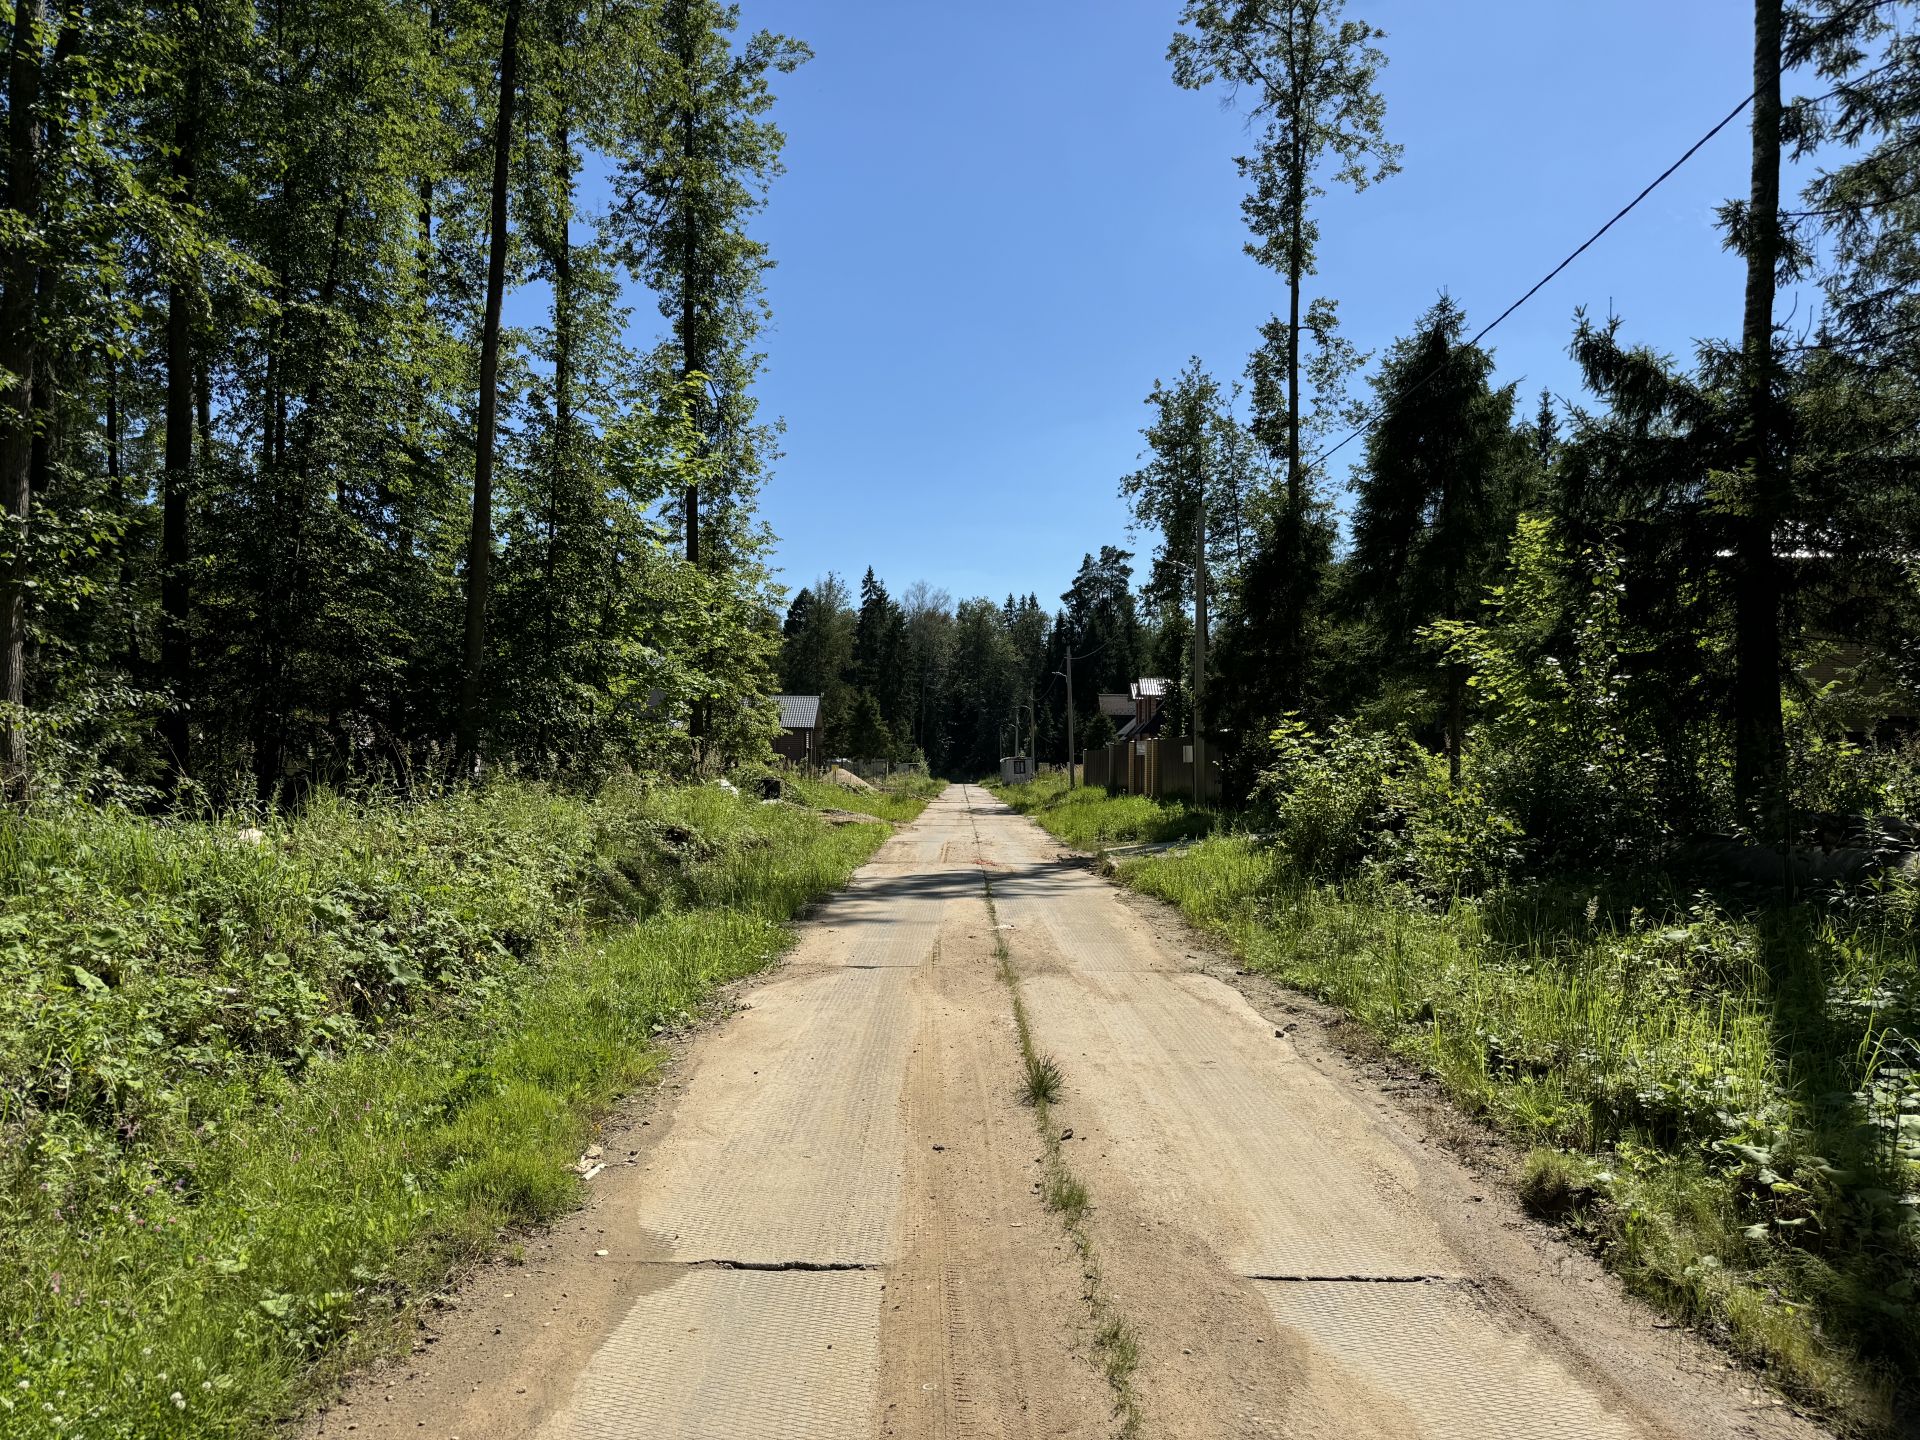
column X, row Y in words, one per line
column 1150, row 686
column 798, row 712
column 1120, row 707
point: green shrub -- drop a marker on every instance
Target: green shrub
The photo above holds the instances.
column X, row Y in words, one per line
column 1355, row 799
column 1326, row 797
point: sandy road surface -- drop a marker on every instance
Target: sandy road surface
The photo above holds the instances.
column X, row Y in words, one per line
column 829, row 1225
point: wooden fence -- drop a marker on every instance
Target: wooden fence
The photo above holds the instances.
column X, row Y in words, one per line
column 1160, row 768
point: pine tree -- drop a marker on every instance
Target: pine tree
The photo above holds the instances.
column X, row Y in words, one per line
column 1435, row 499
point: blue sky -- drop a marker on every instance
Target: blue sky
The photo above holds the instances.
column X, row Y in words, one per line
column 1002, row 221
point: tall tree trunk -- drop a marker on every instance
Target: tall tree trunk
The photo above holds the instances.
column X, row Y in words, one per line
column 563, row 357
column 1759, row 738
column 692, row 357
column 1294, row 530
column 480, row 536
column 117, row 489
column 1456, row 720
column 401, row 512
column 176, row 656
column 1199, row 656
column 19, row 354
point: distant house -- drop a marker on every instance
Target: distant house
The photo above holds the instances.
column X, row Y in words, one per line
column 1148, row 694
column 1117, row 708
column 799, row 740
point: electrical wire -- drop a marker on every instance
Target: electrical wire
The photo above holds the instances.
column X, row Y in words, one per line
column 1373, row 419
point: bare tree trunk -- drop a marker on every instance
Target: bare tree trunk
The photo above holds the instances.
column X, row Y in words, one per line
column 563, row 355
column 176, row 655
column 1200, row 655
column 693, row 357
column 480, row 537
column 117, row 488
column 1294, row 528
column 1759, row 738
column 19, row 355
column 1456, row 720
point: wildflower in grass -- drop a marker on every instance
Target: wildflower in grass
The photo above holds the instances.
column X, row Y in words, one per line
column 179, row 1400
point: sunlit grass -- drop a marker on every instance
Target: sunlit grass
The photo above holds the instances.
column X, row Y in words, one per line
column 1690, row 1082
column 1091, row 819
column 269, row 1218
column 899, row 799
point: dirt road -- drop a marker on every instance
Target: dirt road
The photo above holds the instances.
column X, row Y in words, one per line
column 828, row 1224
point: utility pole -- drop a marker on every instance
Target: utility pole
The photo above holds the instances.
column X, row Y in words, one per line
column 1033, row 731
column 1200, row 654
column 1072, row 774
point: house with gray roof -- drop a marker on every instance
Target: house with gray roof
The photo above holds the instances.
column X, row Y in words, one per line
column 799, row 738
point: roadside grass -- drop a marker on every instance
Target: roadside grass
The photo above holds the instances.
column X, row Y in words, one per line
column 898, row 800
column 1090, row 819
column 1727, row 1104
column 312, row 1076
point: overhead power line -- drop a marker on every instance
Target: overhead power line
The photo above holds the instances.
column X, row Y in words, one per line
column 1371, row 420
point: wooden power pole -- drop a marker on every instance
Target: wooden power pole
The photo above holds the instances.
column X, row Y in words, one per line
column 1200, row 655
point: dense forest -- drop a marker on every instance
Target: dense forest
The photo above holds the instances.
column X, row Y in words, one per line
column 292, row 503
column 289, row 499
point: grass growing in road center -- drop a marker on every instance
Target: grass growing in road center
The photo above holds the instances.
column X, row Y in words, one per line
column 1114, row 1339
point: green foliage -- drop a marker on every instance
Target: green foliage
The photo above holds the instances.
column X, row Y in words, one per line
column 1325, row 798
column 260, row 1096
column 262, row 255
column 1437, row 496
column 1559, row 744
column 1182, row 475
column 1360, row 800
column 1835, row 771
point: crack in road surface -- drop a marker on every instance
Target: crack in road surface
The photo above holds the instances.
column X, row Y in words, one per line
column 1292, row 1259
column 812, row 1267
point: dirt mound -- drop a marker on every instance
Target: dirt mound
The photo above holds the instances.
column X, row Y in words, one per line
column 840, row 776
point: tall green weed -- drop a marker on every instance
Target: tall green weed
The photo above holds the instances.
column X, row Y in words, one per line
column 261, row 1091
